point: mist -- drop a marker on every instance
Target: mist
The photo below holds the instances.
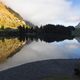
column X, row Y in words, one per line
column 40, row 12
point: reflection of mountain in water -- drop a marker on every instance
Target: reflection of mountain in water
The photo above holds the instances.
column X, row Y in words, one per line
column 8, row 47
column 12, row 44
column 78, row 39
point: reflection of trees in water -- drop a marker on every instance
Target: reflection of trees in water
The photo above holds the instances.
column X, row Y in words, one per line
column 14, row 39
column 56, row 37
column 45, row 37
column 47, row 33
column 15, row 43
column 78, row 39
column 36, row 37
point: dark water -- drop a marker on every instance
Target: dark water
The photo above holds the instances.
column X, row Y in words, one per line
column 36, row 49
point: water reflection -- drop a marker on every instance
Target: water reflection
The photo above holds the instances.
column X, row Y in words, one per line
column 47, row 38
column 8, row 47
column 11, row 44
column 57, row 47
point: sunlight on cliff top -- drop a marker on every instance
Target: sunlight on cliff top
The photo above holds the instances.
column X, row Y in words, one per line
column 9, row 18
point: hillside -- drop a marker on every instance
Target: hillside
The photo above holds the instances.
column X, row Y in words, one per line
column 78, row 26
column 76, row 32
column 10, row 18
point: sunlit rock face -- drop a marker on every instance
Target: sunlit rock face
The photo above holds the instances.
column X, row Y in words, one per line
column 8, row 47
column 9, row 18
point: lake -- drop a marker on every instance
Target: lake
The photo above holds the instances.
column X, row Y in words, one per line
column 14, row 52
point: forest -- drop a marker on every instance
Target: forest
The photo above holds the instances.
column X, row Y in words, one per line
column 47, row 33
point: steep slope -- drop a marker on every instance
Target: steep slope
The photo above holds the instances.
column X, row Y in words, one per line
column 76, row 32
column 78, row 26
column 9, row 18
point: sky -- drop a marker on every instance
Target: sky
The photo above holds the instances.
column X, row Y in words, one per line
column 41, row 12
column 76, row 2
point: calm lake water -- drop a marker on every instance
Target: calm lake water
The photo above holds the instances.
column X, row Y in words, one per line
column 17, row 54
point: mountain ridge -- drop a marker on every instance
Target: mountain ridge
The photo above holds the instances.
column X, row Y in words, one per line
column 9, row 18
column 78, row 26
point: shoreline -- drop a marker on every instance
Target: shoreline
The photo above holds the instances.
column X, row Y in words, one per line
column 43, row 70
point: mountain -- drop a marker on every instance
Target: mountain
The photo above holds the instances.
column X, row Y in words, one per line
column 78, row 26
column 9, row 18
column 76, row 32
column 30, row 24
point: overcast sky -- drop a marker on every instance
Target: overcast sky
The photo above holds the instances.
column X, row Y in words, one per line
column 39, row 12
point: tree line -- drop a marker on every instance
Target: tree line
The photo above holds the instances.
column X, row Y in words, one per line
column 47, row 29
column 48, row 33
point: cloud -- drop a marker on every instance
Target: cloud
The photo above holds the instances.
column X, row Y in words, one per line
column 46, row 11
column 56, row 50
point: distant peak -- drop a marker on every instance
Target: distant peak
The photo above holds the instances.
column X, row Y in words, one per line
column 78, row 26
